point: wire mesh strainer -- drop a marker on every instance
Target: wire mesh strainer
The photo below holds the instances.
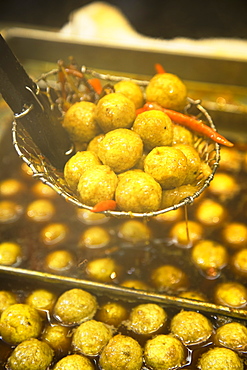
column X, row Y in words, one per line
column 43, row 169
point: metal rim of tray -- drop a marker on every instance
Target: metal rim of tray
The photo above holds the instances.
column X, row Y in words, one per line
column 119, row 292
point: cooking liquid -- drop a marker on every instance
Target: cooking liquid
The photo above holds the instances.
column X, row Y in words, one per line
column 136, row 260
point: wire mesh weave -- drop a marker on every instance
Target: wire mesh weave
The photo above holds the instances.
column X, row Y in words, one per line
column 42, row 169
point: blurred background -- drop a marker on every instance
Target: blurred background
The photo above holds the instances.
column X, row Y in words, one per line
column 163, row 19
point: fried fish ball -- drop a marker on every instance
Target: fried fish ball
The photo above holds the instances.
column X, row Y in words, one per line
column 11, row 188
column 231, row 294
column 74, row 362
column 91, row 337
column 115, row 111
column 7, row 299
column 135, row 231
column 94, row 237
column 208, row 255
column 224, row 186
column 58, row 338
column 211, row 213
column 140, row 164
column 132, row 91
column 232, row 335
column 193, row 162
column 164, row 352
column 20, row 322
column 76, row 165
column 169, row 278
column 42, row 300
column 230, row 159
column 91, row 218
column 31, row 354
column 93, row 145
column 97, row 184
column 167, row 165
column 122, row 353
column 75, row 306
column 239, row 262
column 167, row 90
column 10, row 253
column 54, row 233
column 26, row 171
column 120, row 149
column 205, row 171
column 41, row 190
column 155, row 128
column 10, row 211
column 59, row 261
column 235, row 235
column 177, row 195
column 191, row 327
column 186, row 233
column 103, row 269
column 80, row 123
column 112, row 313
column 219, row 359
column 135, row 284
column 146, row 319
column 169, row 217
column 181, row 135
column 40, row 210
column 137, row 191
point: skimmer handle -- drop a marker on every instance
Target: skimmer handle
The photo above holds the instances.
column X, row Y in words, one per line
column 32, row 109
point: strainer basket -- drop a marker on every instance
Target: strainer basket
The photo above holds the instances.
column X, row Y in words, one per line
column 42, row 168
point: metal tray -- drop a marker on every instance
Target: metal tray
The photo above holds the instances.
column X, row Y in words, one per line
column 221, row 83
column 63, row 283
column 39, row 50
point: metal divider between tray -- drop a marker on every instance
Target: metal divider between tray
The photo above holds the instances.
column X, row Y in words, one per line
column 118, row 292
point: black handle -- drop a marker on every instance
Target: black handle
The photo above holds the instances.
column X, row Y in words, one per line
column 42, row 123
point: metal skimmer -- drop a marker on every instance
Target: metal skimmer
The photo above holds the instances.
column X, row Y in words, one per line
column 43, row 169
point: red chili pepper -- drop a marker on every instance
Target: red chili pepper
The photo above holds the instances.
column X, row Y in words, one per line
column 96, row 84
column 187, row 121
column 142, row 109
column 212, row 272
column 159, row 68
column 105, row 205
